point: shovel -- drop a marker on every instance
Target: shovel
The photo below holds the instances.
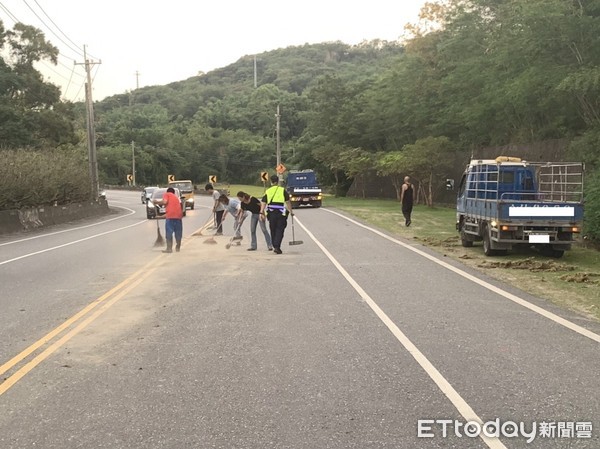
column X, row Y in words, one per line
column 294, row 241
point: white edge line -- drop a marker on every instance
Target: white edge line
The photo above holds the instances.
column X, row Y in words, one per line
column 70, row 243
column 71, row 229
column 539, row 310
column 455, row 398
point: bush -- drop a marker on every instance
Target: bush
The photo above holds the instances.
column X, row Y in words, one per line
column 31, row 178
column 592, row 206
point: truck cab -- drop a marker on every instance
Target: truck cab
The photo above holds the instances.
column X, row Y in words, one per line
column 303, row 188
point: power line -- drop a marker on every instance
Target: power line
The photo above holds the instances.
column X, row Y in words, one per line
column 10, row 14
column 58, row 28
column 52, row 68
column 76, row 50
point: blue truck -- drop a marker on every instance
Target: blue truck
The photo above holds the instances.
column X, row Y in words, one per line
column 506, row 202
column 303, row 188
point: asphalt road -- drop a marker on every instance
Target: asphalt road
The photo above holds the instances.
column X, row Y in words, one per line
column 353, row 339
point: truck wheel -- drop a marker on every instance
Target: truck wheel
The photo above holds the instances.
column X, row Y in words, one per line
column 487, row 243
column 465, row 240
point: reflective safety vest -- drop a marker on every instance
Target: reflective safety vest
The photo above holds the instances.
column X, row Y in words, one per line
column 275, row 198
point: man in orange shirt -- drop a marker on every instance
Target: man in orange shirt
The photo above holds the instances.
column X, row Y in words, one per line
column 173, row 222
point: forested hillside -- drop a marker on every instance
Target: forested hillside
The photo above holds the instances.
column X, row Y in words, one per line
column 220, row 124
column 475, row 74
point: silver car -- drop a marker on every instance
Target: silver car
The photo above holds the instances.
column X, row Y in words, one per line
column 154, row 210
column 147, row 193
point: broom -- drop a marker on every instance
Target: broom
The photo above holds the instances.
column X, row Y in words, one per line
column 207, row 225
column 159, row 238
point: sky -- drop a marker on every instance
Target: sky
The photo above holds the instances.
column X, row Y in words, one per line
column 137, row 43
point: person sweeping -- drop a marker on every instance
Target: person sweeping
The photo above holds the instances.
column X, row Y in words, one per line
column 274, row 202
column 173, row 219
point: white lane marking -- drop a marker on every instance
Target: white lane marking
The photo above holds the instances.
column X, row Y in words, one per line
column 70, row 243
column 72, row 229
column 549, row 315
column 455, row 398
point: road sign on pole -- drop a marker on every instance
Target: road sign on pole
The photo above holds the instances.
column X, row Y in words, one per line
column 171, row 178
column 212, row 179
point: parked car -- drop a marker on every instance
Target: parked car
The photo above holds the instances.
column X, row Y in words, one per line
column 154, row 210
column 147, row 193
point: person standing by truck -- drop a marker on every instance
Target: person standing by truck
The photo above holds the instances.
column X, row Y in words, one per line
column 274, row 202
column 406, row 200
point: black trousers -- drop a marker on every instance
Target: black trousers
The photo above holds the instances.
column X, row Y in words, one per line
column 219, row 219
column 406, row 211
column 277, row 225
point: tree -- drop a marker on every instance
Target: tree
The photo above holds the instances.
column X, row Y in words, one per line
column 393, row 165
column 356, row 162
column 428, row 160
column 31, row 114
column 330, row 156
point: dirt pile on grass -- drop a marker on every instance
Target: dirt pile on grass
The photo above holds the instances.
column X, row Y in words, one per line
column 582, row 278
column 530, row 264
column 431, row 241
column 546, row 266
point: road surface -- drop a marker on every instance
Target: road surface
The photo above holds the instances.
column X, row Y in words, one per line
column 353, row 339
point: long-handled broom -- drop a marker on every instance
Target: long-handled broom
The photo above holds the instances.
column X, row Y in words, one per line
column 204, row 228
column 159, row 238
column 233, row 239
column 294, row 241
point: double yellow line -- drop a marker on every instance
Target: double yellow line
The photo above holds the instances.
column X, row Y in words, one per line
column 82, row 319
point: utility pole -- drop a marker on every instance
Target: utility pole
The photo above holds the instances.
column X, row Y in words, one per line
column 137, row 86
column 133, row 162
column 277, row 117
column 91, row 130
column 255, row 72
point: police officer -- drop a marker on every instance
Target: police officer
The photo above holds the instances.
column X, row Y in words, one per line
column 274, row 203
